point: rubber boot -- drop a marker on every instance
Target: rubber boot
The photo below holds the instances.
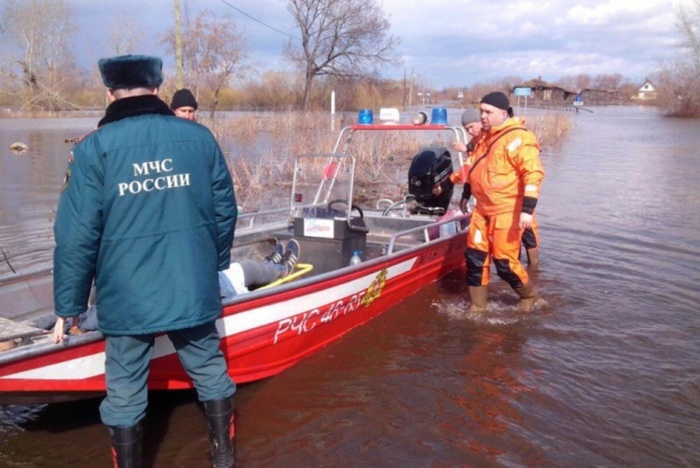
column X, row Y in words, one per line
column 528, row 297
column 126, row 446
column 533, row 259
column 220, row 421
column 479, row 297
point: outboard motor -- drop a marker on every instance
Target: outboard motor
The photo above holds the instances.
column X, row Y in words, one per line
column 432, row 166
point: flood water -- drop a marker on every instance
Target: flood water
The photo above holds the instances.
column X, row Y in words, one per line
column 605, row 372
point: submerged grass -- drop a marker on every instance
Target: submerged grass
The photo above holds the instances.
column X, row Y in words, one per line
column 263, row 150
column 551, row 129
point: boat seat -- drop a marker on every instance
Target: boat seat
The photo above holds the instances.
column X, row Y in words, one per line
column 10, row 330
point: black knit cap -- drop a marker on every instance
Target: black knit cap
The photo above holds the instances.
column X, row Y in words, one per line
column 183, row 98
column 131, row 71
column 498, row 99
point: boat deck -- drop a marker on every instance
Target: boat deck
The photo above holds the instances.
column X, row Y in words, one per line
column 11, row 330
column 26, row 301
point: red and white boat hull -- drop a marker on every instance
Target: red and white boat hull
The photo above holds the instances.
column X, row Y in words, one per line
column 261, row 334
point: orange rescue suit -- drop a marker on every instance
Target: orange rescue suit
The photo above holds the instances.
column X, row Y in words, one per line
column 505, row 177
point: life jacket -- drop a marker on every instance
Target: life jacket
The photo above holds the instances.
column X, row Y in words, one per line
column 505, row 167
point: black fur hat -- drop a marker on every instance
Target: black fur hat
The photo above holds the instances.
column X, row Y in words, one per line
column 131, row 71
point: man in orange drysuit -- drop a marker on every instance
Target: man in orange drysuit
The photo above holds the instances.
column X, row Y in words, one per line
column 471, row 123
column 504, row 177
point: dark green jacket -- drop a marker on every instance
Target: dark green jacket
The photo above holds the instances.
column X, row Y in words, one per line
column 148, row 210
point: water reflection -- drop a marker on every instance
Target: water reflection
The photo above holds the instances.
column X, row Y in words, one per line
column 31, row 183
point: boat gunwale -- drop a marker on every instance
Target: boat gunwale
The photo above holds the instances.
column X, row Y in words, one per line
column 46, row 346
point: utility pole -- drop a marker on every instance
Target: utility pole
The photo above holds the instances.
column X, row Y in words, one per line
column 404, row 90
column 178, row 47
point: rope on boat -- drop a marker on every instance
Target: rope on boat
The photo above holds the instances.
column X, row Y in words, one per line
column 7, row 260
column 301, row 269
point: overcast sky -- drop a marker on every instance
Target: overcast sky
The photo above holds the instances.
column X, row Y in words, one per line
column 447, row 42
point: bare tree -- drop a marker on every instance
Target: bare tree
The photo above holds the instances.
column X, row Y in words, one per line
column 509, row 82
column 274, row 90
column 688, row 19
column 679, row 80
column 340, row 38
column 41, row 31
column 125, row 34
column 578, row 83
column 213, row 51
column 607, row 82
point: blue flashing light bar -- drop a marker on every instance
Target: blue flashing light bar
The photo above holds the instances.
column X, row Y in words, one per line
column 439, row 116
column 366, row 117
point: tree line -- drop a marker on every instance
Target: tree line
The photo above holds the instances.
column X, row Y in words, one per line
column 678, row 80
column 339, row 40
column 340, row 45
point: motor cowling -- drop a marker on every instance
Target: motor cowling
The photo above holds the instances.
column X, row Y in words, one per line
column 429, row 168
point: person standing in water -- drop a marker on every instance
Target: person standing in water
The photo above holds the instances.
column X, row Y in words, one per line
column 530, row 238
column 504, row 177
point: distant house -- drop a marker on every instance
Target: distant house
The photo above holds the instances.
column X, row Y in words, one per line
column 550, row 94
column 547, row 92
column 647, row 91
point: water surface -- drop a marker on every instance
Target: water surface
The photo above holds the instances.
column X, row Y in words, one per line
column 605, row 373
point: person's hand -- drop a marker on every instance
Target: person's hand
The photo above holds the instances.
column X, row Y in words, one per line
column 75, row 327
column 525, row 220
column 58, row 330
column 459, row 146
column 437, row 190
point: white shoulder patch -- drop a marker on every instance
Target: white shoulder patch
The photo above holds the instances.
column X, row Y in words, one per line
column 515, row 144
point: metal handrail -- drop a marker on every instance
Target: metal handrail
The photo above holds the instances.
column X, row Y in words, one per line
column 459, row 132
column 326, row 186
column 426, row 235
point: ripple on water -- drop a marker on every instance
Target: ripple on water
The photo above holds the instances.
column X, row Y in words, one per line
column 14, row 417
column 497, row 313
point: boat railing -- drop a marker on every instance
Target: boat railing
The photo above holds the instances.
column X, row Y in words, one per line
column 317, row 178
column 22, row 277
column 260, row 220
column 346, row 134
column 430, row 231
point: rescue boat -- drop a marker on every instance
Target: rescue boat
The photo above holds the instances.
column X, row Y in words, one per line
column 404, row 246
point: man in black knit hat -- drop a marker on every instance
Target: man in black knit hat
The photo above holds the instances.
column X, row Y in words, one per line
column 184, row 104
column 504, row 177
column 472, row 124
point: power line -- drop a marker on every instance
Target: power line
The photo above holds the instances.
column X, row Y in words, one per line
column 257, row 20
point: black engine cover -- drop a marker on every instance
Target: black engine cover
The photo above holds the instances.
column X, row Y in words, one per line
column 430, row 167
